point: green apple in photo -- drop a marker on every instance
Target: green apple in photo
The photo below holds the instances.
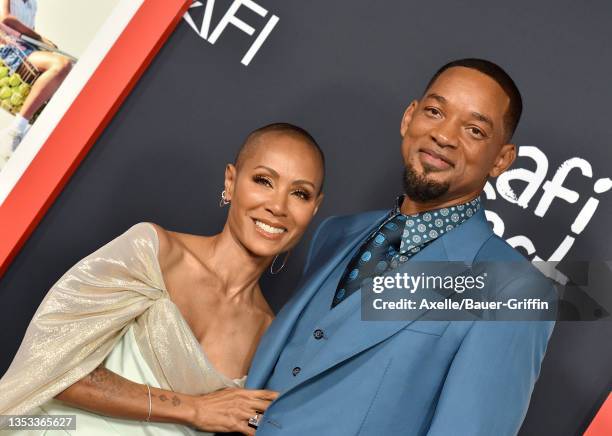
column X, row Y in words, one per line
column 15, row 80
column 16, row 99
column 23, row 89
column 5, row 92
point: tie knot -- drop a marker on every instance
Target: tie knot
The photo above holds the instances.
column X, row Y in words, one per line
column 392, row 231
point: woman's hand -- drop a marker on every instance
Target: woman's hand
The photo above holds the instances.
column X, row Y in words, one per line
column 229, row 410
column 226, row 410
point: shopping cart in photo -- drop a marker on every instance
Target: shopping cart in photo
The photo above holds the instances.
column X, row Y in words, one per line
column 17, row 74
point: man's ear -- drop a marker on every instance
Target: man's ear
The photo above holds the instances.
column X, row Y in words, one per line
column 407, row 117
column 230, row 181
column 505, row 158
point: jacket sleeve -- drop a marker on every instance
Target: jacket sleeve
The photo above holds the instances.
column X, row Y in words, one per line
column 491, row 378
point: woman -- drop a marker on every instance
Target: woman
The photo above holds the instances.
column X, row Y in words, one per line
column 20, row 16
column 179, row 315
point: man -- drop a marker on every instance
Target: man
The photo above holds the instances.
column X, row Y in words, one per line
column 340, row 375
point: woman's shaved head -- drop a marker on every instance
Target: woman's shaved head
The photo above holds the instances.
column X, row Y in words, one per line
column 255, row 139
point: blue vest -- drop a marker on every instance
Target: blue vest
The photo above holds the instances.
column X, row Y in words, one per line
column 317, row 322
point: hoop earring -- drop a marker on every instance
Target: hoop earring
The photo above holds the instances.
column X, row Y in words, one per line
column 282, row 266
column 223, row 201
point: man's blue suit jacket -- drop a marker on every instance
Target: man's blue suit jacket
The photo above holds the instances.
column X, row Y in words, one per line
column 413, row 377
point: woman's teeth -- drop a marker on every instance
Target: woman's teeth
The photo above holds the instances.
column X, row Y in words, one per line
column 266, row 228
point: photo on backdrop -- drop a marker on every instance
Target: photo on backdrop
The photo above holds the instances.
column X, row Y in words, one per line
column 92, row 55
column 40, row 42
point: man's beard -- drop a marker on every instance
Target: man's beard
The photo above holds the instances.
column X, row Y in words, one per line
column 419, row 189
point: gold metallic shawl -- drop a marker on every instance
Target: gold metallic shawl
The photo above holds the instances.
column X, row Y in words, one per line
column 86, row 313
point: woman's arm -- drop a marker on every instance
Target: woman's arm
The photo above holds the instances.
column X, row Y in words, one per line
column 107, row 393
column 11, row 21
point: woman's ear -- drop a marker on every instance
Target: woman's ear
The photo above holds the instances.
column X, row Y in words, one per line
column 230, row 181
column 317, row 204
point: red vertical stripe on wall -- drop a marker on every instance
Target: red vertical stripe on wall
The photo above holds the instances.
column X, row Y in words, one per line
column 602, row 424
column 84, row 121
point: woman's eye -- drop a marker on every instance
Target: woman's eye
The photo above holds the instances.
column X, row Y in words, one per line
column 262, row 181
column 302, row 194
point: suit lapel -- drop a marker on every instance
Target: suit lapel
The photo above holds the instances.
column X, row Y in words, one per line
column 355, row 336
column 334, row 251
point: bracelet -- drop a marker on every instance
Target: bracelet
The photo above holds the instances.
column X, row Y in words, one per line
column 150, row 403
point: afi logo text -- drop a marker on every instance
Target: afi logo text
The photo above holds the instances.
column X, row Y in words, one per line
column 230, row 18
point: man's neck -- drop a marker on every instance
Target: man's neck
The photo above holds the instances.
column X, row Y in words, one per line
column 411, row 207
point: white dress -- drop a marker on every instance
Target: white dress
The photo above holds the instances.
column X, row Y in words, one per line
column 112, row 308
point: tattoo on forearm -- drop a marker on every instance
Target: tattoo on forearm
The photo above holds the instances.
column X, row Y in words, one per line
column 99, row 375
column 176, row 401
column 109, row 382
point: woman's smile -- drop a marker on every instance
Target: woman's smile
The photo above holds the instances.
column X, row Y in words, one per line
column 269, row 231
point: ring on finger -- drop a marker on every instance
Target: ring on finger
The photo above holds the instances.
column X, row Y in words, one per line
column 254, row 421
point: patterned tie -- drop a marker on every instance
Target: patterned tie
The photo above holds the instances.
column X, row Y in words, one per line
column 373, row 258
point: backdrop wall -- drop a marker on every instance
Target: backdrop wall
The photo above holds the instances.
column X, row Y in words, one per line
column 346, row 71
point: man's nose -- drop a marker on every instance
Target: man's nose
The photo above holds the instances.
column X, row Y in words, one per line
column 445, row 135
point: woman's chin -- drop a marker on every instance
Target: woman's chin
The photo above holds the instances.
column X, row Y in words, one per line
column 265, row 248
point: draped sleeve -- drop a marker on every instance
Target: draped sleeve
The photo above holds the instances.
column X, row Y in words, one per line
column 81, row 319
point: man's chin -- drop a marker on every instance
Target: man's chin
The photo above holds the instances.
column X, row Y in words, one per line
column 429, row 169
column 432, row 176
column 436, row 179
column 424, row 187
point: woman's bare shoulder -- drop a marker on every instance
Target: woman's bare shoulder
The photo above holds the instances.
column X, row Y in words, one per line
column 169, row 250
column 173, row 246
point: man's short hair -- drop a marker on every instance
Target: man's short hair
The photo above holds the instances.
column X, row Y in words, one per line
column 285, row 128
column 503, row 79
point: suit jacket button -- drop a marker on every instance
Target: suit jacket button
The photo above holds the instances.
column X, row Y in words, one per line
column 296, row 371
column 318, row 334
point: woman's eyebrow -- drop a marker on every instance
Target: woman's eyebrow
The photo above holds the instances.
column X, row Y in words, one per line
column 274, row 173
column 295, row 182
column 303, row 182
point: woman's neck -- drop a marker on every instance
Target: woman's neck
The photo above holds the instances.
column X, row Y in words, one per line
column 237, row 268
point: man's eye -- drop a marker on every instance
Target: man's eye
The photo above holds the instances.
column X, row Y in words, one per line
column 433, row 111
column 476, row 132
column 262, row 180
column 302, row 194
